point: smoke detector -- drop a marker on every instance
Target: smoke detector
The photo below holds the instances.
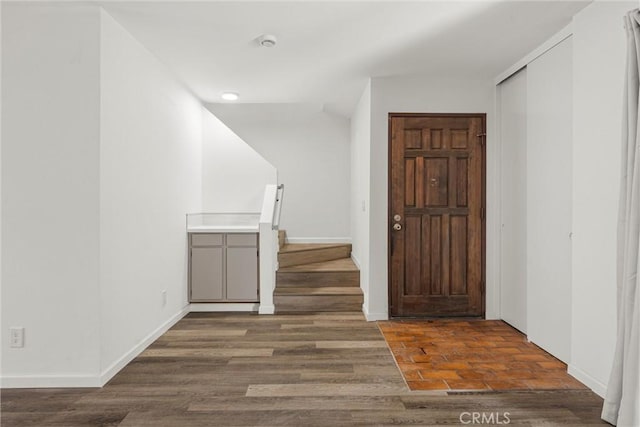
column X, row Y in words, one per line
column 267, row 40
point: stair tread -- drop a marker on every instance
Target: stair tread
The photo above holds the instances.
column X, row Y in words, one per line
column 301, row 247
column 342, row 264
column 311, row 291
column 303, row 284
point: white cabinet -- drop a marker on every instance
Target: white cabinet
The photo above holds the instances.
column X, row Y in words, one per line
column 223, row 267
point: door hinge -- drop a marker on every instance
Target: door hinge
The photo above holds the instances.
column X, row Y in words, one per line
column 483, row 137
column 482, row 214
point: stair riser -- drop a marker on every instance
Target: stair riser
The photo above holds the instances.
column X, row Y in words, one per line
column 288, row 259
column 324, row 278
column 317, row 290
column 310, row 303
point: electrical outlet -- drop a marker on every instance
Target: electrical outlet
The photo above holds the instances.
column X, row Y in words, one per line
column 16, row 335
column 164, row 298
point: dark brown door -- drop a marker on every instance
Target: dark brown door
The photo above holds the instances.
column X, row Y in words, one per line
column 436, row 214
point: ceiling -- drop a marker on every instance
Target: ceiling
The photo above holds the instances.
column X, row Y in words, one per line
column 327, row 49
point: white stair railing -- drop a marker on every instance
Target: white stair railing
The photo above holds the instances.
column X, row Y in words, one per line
column 277, row 208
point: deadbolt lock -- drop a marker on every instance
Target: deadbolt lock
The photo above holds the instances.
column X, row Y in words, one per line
column 397, row 217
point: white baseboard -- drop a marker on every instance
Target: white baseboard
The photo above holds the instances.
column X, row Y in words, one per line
column 355, row 261
column 266, row 309
column 372, row 317
column 75, row 381
column 318, row 239
column 118, row 365
column 598, row 388
column 89, row 381
column 211, row 307
column 50, row 381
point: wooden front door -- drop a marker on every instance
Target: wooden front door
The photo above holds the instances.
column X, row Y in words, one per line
column 436, row 214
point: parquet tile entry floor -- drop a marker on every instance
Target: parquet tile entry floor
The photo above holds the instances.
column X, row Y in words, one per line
column 472, row 355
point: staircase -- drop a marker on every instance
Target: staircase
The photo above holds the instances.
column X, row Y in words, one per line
column 316, row 277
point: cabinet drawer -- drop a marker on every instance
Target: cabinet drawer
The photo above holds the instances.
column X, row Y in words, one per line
column 244, row 239
column 206, row 239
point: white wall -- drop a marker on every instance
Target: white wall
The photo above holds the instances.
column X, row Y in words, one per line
column 50, row 184
column 512, row 95
column 234, row 175
column 548, row 193
column 599, row 46
column 150, row 177
column 436, row 94
column 101, row 160
column 360, row 190
column 310, row 150
column 1, row 324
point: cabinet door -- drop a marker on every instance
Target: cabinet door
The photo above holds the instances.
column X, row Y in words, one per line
column 242, row 274
column 207, row 278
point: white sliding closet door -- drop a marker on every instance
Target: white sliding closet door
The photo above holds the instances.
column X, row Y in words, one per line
column 513, row 237
column 549, row 174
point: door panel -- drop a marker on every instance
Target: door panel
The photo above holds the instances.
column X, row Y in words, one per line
column 437, row 192
column 242, row 274
column 207, row 280
column 513, row 193
column 549, row 199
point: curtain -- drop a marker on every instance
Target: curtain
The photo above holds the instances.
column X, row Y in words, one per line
column 622, row 402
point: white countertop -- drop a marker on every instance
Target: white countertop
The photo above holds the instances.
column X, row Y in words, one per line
column 223, row 223
column 223, row 229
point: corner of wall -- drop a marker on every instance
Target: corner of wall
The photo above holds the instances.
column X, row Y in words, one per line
column 597, row 386
column 360, row 187
column 374, row 316
column 150, row 163
column 126, row 358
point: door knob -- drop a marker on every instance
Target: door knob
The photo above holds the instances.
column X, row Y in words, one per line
column 397, row 227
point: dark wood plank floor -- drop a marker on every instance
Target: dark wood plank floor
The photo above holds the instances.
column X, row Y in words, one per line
column 300, row 370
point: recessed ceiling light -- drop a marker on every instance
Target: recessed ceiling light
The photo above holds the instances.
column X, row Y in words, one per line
column 230, row 96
